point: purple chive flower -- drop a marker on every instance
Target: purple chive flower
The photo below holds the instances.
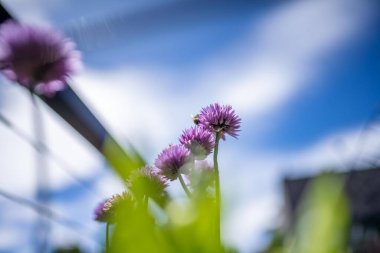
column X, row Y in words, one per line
column 106, row 211
column 148, row 181
column 38, row 58
column 173, row 160
column 100, row 214
column 220, row 118
column 199, row 140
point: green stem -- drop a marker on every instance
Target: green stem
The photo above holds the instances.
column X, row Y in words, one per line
column 188, row 193
column 217, row 188
column 107, row 238
column 146, row 202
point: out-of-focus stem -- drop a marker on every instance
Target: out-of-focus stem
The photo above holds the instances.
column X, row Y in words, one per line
column 107, row 238
column 217, row 188
column 42, row 175
column 188, row 193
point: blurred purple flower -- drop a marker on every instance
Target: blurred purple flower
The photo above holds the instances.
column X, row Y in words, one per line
column 199, row 140
column 38, row 58
column 220, row 118
column 106, row 211
column 100, row 214
column 148, row 181
column 172, row 161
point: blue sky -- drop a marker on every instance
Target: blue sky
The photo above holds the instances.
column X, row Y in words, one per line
column 303, row 75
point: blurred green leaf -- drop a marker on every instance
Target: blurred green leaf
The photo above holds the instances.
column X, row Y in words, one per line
column 323, row 221
column 124, row 162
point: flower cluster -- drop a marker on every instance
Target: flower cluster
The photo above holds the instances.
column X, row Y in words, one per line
column 37, row 58
column 197, row 142
column 187, row 157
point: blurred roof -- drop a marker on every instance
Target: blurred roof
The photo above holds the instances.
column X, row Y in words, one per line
column 362, row 189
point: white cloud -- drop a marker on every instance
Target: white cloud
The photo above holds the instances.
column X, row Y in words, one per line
column 135, row 104
column 13, row 220
column 257, row 75
column 19, row 158
column 247, row 222
column 275, row 62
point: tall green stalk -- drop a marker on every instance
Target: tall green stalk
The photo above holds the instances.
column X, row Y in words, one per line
column 188, row 193
column 217, row 188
